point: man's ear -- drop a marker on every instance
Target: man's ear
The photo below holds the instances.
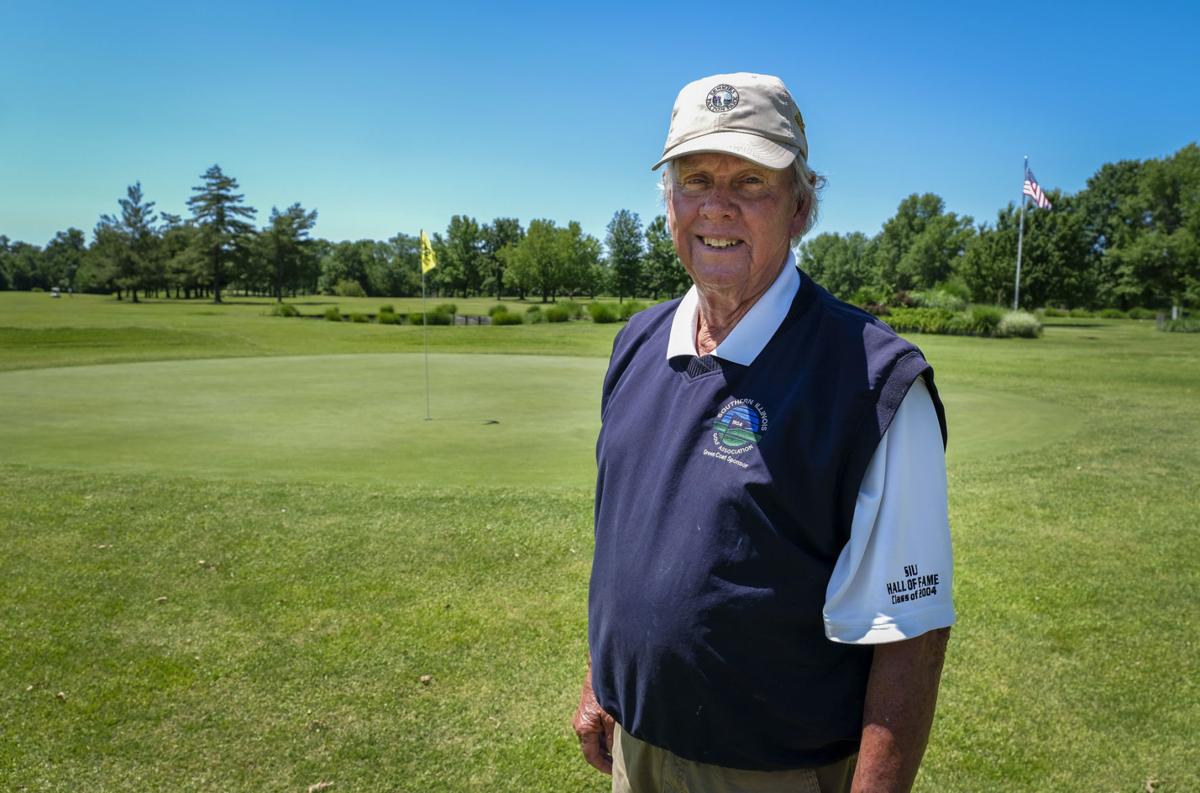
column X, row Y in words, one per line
column 800, row 219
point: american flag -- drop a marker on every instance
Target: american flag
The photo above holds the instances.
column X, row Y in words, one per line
column 1034, row 191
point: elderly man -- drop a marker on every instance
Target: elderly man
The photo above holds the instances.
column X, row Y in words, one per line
column 770, row 593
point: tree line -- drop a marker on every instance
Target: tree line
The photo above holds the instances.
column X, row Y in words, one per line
column 1128, row 239
column 138, row 252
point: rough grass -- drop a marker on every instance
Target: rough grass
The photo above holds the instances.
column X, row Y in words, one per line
column 302, row 610
column 214, row 636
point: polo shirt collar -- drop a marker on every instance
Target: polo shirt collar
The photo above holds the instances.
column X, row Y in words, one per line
column 753, row 331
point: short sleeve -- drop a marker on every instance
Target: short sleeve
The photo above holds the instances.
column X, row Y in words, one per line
column 893, row 578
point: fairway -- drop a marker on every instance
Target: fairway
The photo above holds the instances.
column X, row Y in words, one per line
column 237, row 557
column 513, row 420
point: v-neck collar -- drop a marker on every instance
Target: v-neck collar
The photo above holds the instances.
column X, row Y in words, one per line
column 752, row 332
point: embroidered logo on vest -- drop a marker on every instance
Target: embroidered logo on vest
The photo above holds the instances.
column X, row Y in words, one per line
column 739, row 426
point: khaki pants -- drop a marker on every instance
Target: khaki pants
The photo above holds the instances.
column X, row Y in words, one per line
column 639, row 767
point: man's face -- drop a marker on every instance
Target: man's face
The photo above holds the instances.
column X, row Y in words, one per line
column 732, row 221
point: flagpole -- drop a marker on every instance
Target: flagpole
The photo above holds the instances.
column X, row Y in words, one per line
column 425, row 327
column 1021, row 236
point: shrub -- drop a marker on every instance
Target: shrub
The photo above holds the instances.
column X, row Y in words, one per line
column 357, row 317
column 284, row 310
column 556, row 314
column 985, row 319
column 347, row 288
column 1181, row 326
column 602, row 313
column 938, row 298
column 436, row 317
column 506, row 318
column 1112, row 313
column 574, row 310
column 928, row 320
column 630, row 308
column 954, row 286
column 1140, row 313
column 499, row 308
column 1081, row 313
column 1051, row 311
column 387, row 309
column 867, row 296
column 533, row 315
column 1020, row 324
column 446, row 308
column 977, row 321
column 333, row 314
column 388, row 318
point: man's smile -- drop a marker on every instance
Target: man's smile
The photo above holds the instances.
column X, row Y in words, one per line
column 719, row 242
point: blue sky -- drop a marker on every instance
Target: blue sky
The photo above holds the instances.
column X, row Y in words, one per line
column 387, row 118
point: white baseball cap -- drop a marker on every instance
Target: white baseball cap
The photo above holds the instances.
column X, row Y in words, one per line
column 752, row 116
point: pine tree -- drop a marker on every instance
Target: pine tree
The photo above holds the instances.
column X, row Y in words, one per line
column 223, row 222
column 289, row 250
column 129, row 242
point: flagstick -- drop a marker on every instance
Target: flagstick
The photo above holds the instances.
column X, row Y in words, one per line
column 425, row 326
column 1021, row 236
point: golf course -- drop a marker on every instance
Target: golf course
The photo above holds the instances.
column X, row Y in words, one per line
column 242, row 552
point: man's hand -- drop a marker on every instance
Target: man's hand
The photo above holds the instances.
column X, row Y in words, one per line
column 901, row 695
column 594, row 727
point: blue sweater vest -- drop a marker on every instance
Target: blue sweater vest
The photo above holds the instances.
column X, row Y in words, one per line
column 724, row 496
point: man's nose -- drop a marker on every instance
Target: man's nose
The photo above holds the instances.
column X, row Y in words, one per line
column 717, row 204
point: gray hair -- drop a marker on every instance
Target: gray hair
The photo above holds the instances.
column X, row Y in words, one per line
column 806, row 187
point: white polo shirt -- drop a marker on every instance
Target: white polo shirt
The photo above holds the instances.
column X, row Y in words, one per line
column 892, row 579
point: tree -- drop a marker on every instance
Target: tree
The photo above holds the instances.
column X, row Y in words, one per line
column 22, row 265
column 64, row 256
column 1165, row 259
column 535, row 264
column 288, row 250
column 1056, row 258
column 624, row 243
column 843, row 265
column 346, row 262
column 223, row 222
column 4, row 280
column 403, row 251
column 661, row 268
column 497, row 235
column 461, row 261
column 1111, row 220
column 129, row 242
column 988, row 265
column 180, row 253
column 384, row 276
column 580, row 253
column 919, row 246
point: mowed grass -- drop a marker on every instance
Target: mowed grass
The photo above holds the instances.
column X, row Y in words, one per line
column 37, row 331
column 317, row 549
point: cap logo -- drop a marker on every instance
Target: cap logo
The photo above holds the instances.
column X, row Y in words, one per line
column 722, row 98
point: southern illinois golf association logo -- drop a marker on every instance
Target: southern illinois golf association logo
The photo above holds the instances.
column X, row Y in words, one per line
column 722, row 98
column 739, row 426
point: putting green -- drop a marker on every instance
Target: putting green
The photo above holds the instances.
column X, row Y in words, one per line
column 497, row 419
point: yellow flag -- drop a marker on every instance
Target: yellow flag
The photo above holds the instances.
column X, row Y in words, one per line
column 428, row 259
